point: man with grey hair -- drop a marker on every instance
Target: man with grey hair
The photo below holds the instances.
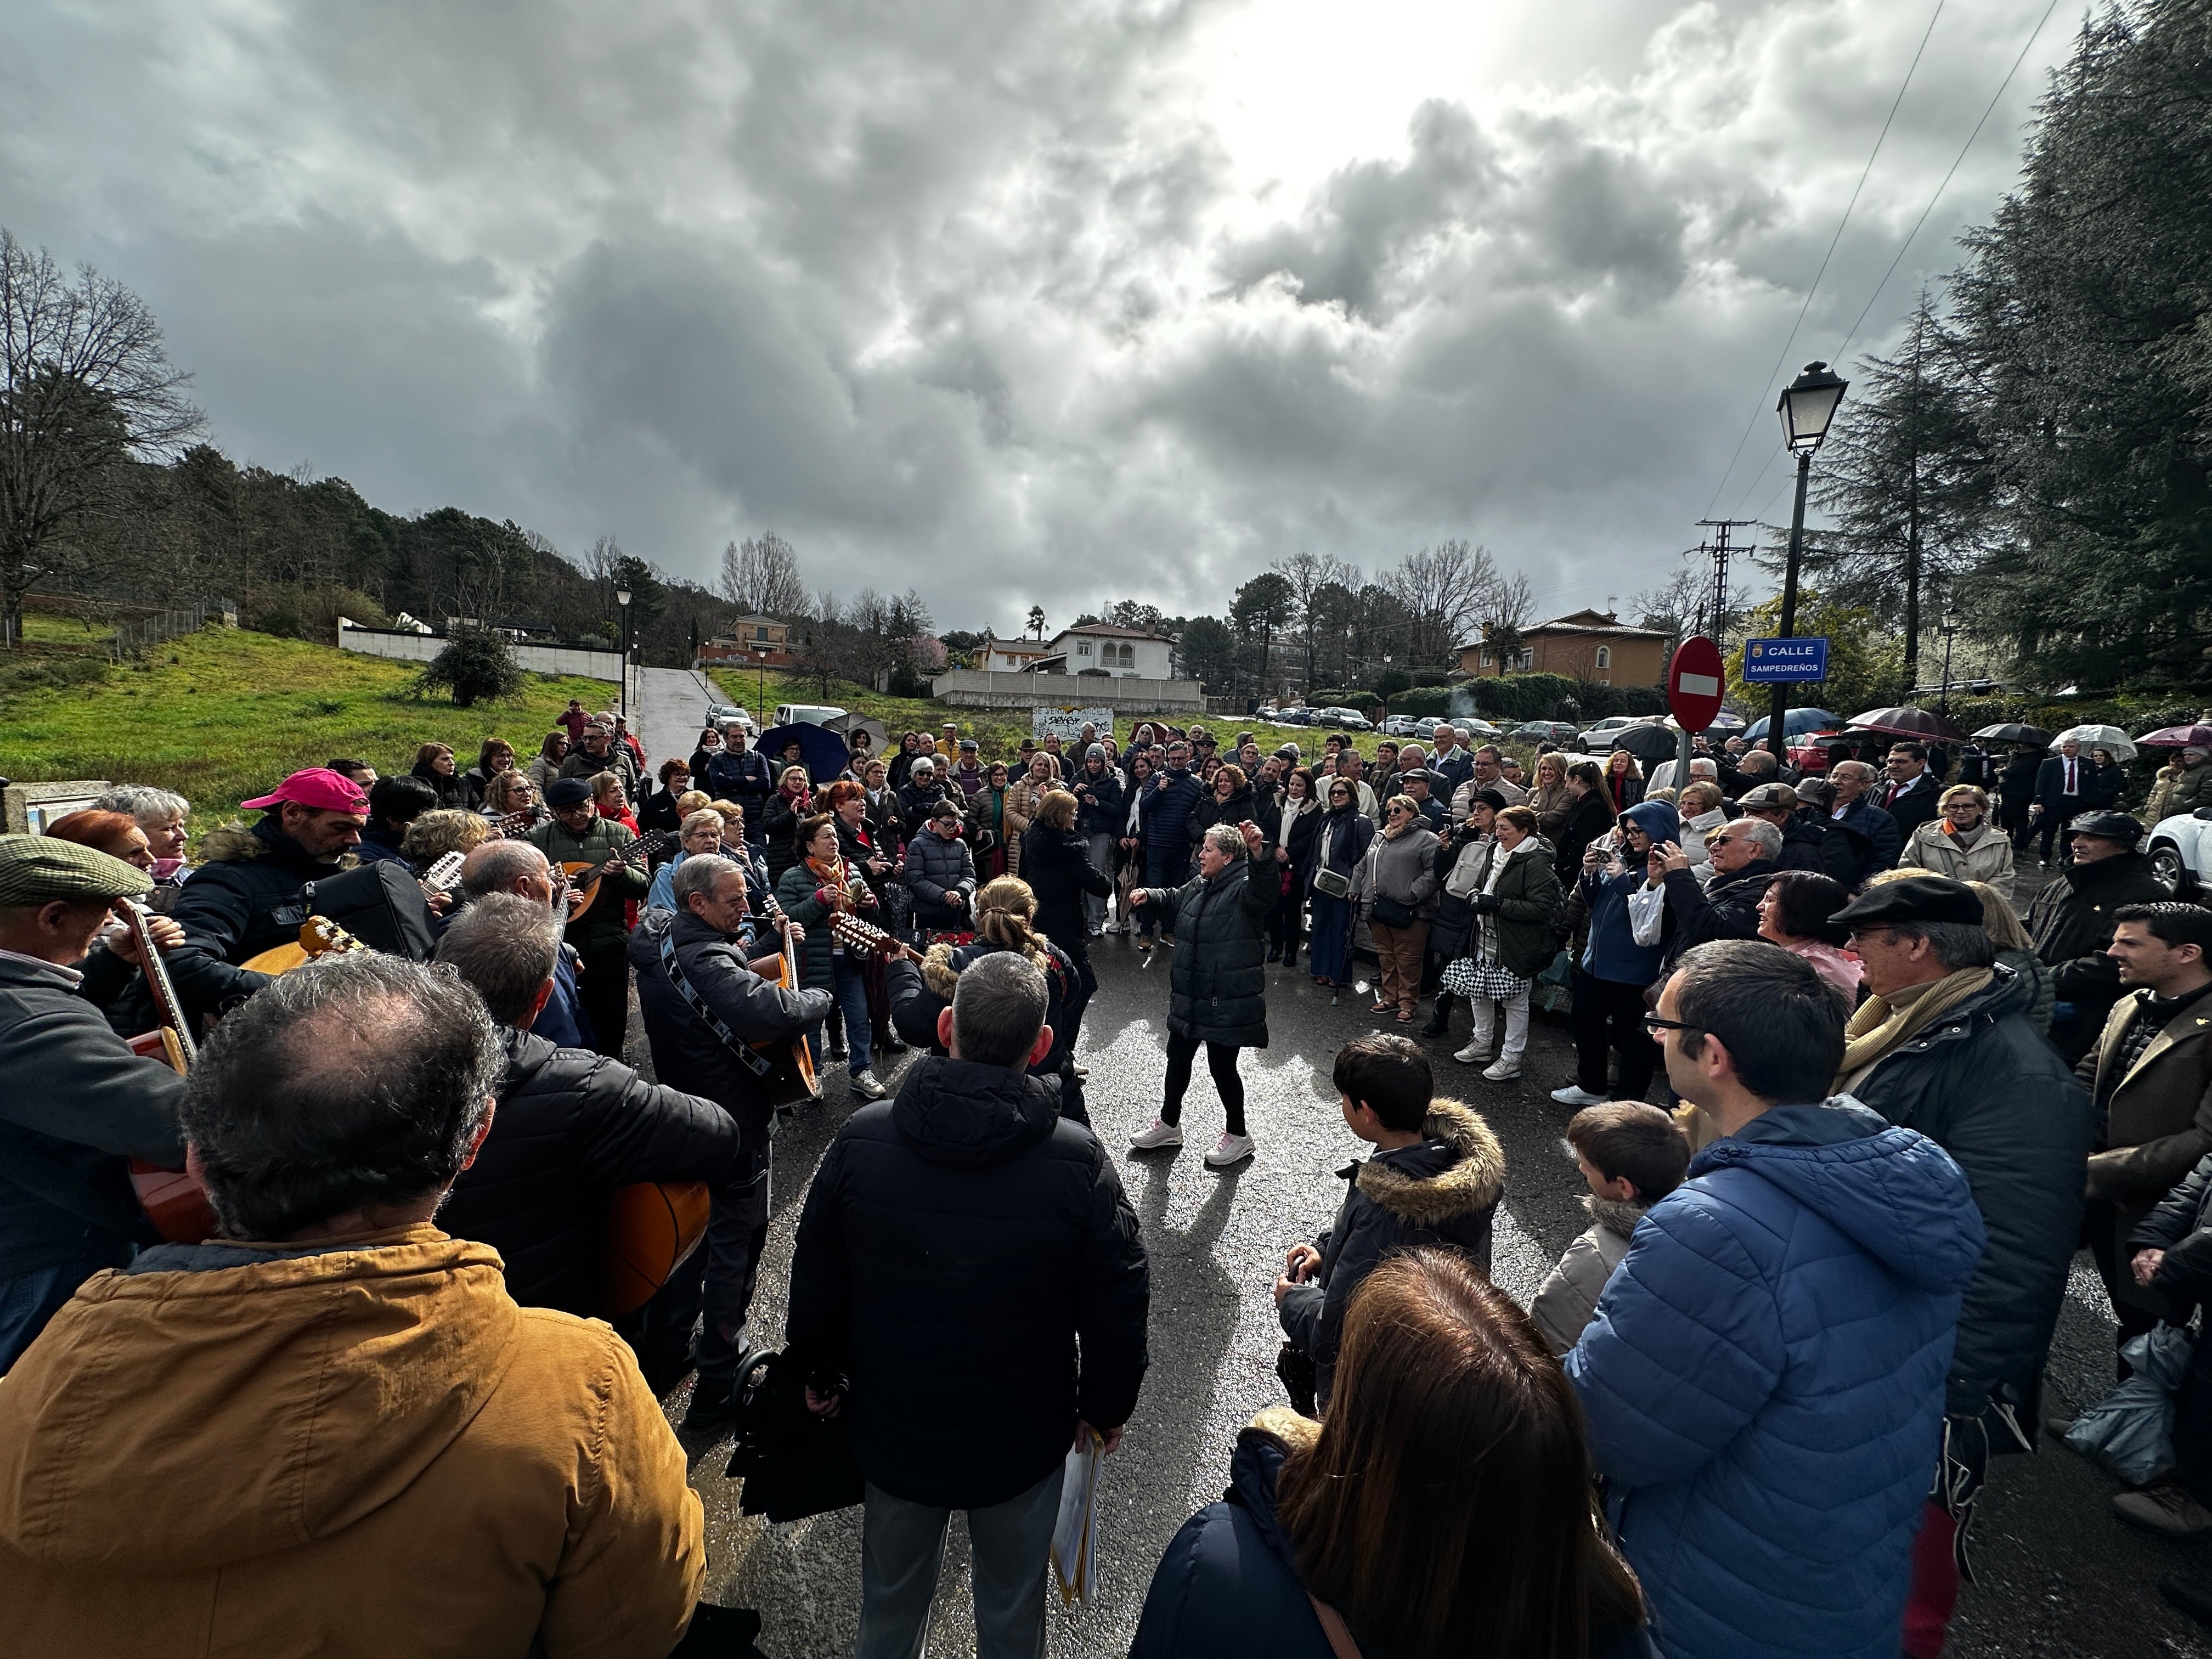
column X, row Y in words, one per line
column 1875, row 837
column 366, row 1434
column 571, row 1125
column 705, row 1006
column 520, row 867
column 1721, row 900
column 1451, row 761
column 1944, row 1044
column 969, row 1285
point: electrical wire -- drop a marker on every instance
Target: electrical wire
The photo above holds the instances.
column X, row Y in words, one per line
column 1940, row 188
column 1783, row 356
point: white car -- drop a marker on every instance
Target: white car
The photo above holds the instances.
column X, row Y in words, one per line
column 807, row 714
column 2180, row 849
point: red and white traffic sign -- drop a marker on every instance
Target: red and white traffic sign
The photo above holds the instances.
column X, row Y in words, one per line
column 1694, row 684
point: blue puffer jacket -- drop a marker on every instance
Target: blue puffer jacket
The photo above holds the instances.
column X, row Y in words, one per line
column 1763, row 1382
column 1167, row 811
column 1612, row 953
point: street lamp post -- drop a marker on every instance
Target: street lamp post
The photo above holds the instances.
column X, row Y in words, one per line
column 1807, row 406
column 622, row 598
column 760, row 685
column 1948, row 628
column 1385, row 682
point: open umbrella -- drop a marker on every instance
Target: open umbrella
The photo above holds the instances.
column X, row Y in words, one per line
column 2028, row 737
column 1908, row 722
column 1795, row 724
column 845, row 725
column 1648, row 742
column 2100, row 736
column 2177, row 736
column 821, row 752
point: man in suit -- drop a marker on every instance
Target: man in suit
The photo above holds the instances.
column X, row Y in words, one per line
column 1912, row 793
column 2062, row 784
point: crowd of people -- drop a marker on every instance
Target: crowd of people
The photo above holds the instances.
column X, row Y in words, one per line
column 1842, row 1114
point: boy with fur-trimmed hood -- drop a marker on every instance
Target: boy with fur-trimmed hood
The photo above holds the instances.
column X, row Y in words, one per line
column 1435, row 1178
column 1632, row 1155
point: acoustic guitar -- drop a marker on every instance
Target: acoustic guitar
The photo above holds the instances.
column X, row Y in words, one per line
column 863, row 936
column 584, row 877
column 794, row 1079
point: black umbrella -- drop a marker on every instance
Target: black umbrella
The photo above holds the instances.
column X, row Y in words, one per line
column 2031, row 736
column 821, row 752
column 1648, row 742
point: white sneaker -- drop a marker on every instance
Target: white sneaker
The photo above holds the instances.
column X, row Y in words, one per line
column 1472, row 1055
column 1507, row 1067
column 1162, row 1134
column 864, row 1083
column 1576, row 1095
column 1230, row 1149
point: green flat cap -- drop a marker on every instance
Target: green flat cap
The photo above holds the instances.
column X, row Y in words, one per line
column 39, row 869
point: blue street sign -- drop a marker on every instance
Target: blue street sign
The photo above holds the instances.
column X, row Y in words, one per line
column 1794, row 662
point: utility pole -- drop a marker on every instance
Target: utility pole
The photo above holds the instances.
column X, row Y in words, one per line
column 1720, row 551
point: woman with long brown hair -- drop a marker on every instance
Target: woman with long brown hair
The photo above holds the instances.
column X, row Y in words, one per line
column 1443, row 1508
column 1590, row 814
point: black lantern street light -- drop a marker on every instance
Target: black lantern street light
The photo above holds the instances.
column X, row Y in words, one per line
column 1807, row 405
column 622, row 598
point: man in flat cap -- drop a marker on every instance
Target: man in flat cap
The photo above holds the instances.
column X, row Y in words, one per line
column 247, row 894
column 2072, row 922
column 577, row 836
column 75, row 1102
column 1944, row 1045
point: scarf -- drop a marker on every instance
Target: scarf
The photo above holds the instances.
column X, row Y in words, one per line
column 1885, row 1023
column 830, row 874
column 1489, row 918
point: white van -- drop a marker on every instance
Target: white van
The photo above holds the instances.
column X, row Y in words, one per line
column 807, row 714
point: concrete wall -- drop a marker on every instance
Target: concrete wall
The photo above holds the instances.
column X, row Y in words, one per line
column 539, row 658
column 968, row 688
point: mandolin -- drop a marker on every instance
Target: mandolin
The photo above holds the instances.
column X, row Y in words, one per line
column 319, row 936
column 866, row 937
column 173, row 1201
column 584, row 877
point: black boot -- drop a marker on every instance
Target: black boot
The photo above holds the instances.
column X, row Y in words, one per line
column 1440, row 1021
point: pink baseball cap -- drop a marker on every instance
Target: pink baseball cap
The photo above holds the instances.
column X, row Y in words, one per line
column 318, row 786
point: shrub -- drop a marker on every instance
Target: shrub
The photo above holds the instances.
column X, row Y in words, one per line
column 292, row 610
column 476, row 666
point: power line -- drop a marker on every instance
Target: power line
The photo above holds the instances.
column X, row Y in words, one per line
column 1940, row 188
column 1833, row 241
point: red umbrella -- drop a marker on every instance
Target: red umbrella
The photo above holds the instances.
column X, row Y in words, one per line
column 2177, row 736
column 1908, row 722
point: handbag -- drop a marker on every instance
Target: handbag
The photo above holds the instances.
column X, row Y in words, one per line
column 1386, row 912
column 1332, row 883
column 793, row 1463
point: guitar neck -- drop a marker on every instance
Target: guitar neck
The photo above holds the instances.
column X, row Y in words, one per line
column 171, row 1013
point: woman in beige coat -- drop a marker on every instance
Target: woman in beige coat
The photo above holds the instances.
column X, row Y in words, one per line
column 1962, row 844
column 1022, row 802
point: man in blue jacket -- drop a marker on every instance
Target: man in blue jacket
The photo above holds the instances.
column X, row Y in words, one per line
column 1169, row 801
column 743, row 775
column 1857, row 809
column 1764, row 1378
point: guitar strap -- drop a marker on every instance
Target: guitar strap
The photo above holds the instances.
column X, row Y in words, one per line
column 761, row 1068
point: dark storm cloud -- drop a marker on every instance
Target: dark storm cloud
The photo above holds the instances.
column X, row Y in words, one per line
column 986, row 298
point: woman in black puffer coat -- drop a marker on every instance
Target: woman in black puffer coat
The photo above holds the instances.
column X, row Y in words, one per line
column 1217, row 991
column 1056, row 864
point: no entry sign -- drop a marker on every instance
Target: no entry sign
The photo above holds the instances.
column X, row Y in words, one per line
column 1694, row 684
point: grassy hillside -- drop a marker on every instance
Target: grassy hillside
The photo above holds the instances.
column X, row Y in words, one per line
column 222, row 715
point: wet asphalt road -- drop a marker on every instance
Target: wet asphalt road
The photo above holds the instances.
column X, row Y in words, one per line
column 2058, row 1575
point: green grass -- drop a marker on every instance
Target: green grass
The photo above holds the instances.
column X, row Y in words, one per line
column 221, row 715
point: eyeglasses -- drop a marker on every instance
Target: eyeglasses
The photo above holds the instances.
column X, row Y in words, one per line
column 1655, row 1024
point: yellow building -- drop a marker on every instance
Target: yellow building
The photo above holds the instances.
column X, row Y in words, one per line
column 1588, row 645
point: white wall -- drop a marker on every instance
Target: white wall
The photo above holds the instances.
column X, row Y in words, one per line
column 971, row 688
column 1154, row 659
column 421, row 647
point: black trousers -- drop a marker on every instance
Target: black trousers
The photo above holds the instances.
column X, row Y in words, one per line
column 2100, row 1226
column 603, row 994
column 1221, row 1061
column 1605, row 1012
column 2192, row 1424
column 717, row 1279
column 1284, row 923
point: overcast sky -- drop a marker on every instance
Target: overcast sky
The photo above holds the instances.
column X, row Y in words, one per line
column 1062, row 302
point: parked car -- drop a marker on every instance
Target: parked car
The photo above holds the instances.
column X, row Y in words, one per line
column 1407, row 725
column 721, row 713
column 2180, row 849
column 1598, row 739
column 807, row 714
column 1345, row 720
column 1294, row 717
column 1468, row 725
column 1548, row 734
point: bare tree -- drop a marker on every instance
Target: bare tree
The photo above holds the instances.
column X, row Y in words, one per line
column 85, row 382
column 1507, row 608
column 1444, row 589
column 761, row 577
column 1676, row 607
column 1308, row 573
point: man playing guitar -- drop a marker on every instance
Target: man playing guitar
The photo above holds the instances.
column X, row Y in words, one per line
column 578, row 835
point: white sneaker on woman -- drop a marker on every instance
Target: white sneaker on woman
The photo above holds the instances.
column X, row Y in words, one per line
column 1162, row 1134
column 1230, row 1149
column 1472, row 1055
column 1507, row 1068
column 1575, row 1095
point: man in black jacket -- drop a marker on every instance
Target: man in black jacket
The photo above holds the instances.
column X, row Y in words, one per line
column 74, row 1099
column 1943, row 1044
column 247, row 892
column 2170, row 1261
column 1913, row 792
column 2063, row 785
column 970, row 1285
column 705, row 1006
column 2070, row 922
column 740, row 775
column 1809, row 840
column 571, row 1126
column 1721, row 902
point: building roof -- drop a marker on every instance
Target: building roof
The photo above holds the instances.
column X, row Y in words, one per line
column 1017, row 645
column 757, row 621
column 1110, row 631
column 1590, row 624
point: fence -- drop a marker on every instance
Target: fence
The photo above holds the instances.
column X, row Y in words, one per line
column 133, row 634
